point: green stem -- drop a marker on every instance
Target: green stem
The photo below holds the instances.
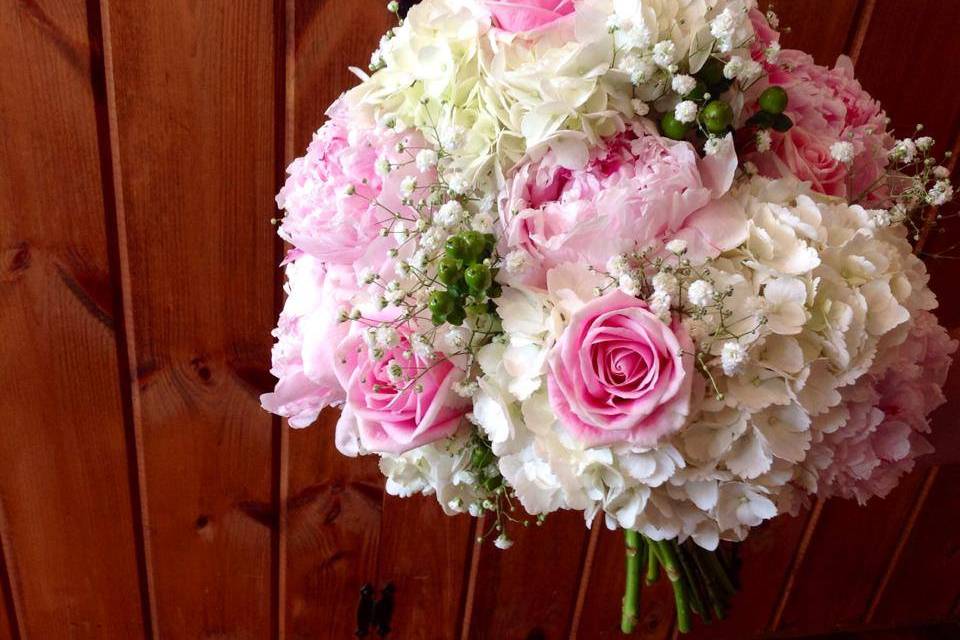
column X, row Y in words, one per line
column 710, row 580
column 698, row 595
column 670, row 564
column 631, row 592
column 720, row 571
column 653, row 565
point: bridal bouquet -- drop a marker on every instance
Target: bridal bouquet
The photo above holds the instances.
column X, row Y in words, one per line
column 628, row 257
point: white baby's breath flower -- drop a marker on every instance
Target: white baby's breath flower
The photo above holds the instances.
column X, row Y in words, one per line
column 763, row 140
column 941, row 193
column 457, row 184
column 686, row 111
column 713, row 145
column 772, row 52
column 387, row 337
column 482, row 222
column 664, row 53
column 450, row 214
column 617, row 265
column 455, row 339
column 723, row 28
column 664, row 282
column 408, row 185
column 517, row 261
column 683, row 84
column 502, row 541
column 701, row 293
column 660, row 303
column 487, row 203
column 905, row 151
column 395, row 372
column 941, row 172
column 677, row 246
column 629, row 284
column 466, row 389
column 843, row 151
column 426, row 159
column 732, row 357
column 924, row 143
column 382, row 166
column 733, row 68
column 366, row 276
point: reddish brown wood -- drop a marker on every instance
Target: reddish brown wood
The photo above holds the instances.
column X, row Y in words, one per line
column 334, row 503
column 193, row 104
column 839, row 573
column 8, row 609
column 69, row 523
column 424, row 554
column 601, row 611
column 924, row 585
column 819, row 27
column 529, row 590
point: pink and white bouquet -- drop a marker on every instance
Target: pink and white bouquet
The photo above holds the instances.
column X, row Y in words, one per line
column 627, row 257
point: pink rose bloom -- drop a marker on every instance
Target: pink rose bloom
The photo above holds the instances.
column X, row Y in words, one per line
column 889, row 412
column 322, row 218
column 306, row 334
column 384, row 415
column 618, row 374
column 527, row 15
column 826, row 106
column 635, row 190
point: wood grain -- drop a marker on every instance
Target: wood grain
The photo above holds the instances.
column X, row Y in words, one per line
column 334, row 503
column 192, row 90
column 69, row 522
column 528, row 591
column 924, row 585
column 840, row 572
column 8, row 609
column 822, row 28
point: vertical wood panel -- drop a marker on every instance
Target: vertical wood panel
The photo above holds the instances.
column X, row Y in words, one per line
column 69, row 521
column 924, row 585
column 840, row 572
column 8, row 610
column 822, row 28
column 192, row 91
column 528, row 591
column 334, row 503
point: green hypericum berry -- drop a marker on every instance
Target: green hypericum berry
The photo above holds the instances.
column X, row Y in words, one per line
column 711, row 72
column 457, row 316
column 476, row 245
column 774, row 100
column 441, row 303
column 448, row 271
column 478, row 277
column 437, row 319
column 456, row 247
column 673, row 128
column 717, row 116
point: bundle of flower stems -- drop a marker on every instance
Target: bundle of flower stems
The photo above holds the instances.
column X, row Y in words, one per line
column 703, row 581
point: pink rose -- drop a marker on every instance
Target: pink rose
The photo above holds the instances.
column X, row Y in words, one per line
column 527, row 15
column 387, row 414
column 619, row 374
column 635, row 190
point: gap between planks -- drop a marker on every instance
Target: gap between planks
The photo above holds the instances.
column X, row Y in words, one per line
column 98, row 17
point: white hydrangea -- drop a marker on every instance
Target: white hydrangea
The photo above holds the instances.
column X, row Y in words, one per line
column 817, row 292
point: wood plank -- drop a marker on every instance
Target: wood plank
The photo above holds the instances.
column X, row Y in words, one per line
column 839, row 574
column 924, row 584
column 822, row 28
column 425, row 555
column 69, row 518
column 529, row 590
column 192, row 89
column 601, row 611
column 334, row 503
column 8, row 609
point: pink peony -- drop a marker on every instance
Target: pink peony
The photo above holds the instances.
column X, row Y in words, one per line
column 888, row 415
column 636, row 190
column 306, row 333
column 826, row 106
column 619, row 374
column 331, row 193
column 527, row 15
column 386, row 415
